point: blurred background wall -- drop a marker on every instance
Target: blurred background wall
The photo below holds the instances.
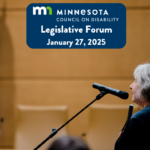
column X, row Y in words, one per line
column 45, row 77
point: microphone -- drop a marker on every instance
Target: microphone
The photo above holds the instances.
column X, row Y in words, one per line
column 121, row 94
column 129, row 116
column 130, row 111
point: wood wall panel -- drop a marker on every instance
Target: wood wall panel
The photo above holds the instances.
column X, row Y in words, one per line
column 6, row 48
column 2, row 3
column 7, row 90
column 7, row 111
column 51, row 92
column 75, row 94
column 24, row 4
column 80, row 62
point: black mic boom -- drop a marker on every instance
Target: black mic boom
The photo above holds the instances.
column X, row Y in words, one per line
column 121, row 94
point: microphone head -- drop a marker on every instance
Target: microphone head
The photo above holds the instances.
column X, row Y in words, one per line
column 130, row 105
column 123, row 94
column 98, row 86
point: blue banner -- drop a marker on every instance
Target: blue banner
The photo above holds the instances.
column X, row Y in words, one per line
column 76, row 25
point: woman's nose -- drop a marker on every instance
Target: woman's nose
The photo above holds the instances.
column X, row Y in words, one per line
column 131, row 86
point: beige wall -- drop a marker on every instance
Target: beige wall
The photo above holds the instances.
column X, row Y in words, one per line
column 65, row 76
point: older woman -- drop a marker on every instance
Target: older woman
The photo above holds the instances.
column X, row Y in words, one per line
column 136, row 135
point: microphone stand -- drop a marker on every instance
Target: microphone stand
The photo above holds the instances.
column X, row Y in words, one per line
column 54, row 131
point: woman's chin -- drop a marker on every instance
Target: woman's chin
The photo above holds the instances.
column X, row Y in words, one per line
column 134, row 100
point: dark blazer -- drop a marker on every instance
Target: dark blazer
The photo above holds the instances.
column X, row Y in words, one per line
column 136, row 135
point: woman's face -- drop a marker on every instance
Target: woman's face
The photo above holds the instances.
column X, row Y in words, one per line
column 135, row 91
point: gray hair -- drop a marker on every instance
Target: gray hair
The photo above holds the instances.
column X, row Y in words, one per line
column 142, row 75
